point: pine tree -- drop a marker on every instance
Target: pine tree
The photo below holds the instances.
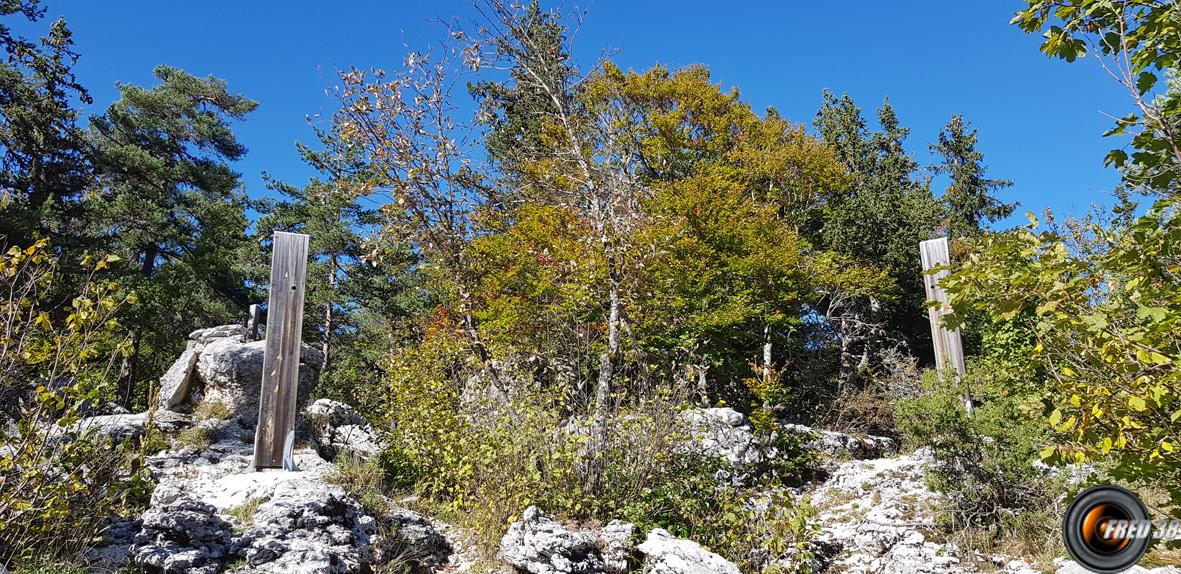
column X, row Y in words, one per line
column 349, row 283
column 44, row 164
column 170, row 204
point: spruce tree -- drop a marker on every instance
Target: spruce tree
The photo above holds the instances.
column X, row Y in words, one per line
column 968, row 203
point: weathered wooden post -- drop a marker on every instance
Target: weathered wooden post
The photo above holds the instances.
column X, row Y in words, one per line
column 275, row 432
column 948, row 348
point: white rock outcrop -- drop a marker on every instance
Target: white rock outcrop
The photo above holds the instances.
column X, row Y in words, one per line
column 666, row 554
column 231, row 372
column 539, row 545
column 340, row 428
column 176, row 382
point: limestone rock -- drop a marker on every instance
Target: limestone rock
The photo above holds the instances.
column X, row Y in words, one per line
column 617, row 546
column 307, row 526
column 232, row 373
column 724, row 432
column 185, row 535
column 539, row 545
column 175, row 382
column 128, row 426
column 665, row 554
column 844, row 445
column 340, row 428
column 235, row 332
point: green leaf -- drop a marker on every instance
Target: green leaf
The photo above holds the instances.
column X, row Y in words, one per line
column 1145, row 82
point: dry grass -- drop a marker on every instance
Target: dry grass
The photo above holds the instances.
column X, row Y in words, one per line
column 212, row 410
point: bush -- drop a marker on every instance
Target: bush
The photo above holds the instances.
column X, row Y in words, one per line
column 485, row 460
column 986, row 462
column 59, row 480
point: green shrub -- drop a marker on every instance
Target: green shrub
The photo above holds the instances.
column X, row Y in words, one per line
column 484, row 461
column 985, row 463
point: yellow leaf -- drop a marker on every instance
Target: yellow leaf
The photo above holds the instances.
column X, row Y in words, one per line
column 1167, row 446
column 1137, row 403
column 1069, row 372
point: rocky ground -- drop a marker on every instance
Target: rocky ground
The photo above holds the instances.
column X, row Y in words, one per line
column 210, row 512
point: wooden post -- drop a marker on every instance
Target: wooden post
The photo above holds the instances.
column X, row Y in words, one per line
column 948, row 348
column 275, row 432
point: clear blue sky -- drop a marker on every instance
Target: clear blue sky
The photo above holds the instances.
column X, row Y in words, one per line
column 1040, row 121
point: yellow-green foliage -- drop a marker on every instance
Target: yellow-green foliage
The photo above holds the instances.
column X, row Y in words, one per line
column 212, row 410
column 195, row 437
column 1101, row 326
column 486, row 460
column 58, row 486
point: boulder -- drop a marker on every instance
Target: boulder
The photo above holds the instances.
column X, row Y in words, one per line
column 617, row 544
column 665, row 554
column 209, row 334
column 111, row 552
column 176, row 382
column 340, row 428
column 185, row 535
column 231, row 371
column 123, row 427
column 418, row 539
column 724, row 432
column 307, row 526
column 288, row 522
column 539, row 545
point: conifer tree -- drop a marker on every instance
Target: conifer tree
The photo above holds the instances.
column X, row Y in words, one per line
column 170, row 204
column 968, row 203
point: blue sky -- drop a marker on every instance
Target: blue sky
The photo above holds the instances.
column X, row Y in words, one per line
column 1040, row 120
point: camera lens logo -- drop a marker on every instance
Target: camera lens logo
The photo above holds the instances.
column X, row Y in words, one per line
column 1106, row 529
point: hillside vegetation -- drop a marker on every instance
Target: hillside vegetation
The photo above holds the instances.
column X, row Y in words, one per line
column 526, row 301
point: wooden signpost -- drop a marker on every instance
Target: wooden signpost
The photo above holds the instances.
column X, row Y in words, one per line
column 275, row 432
column 949, row 351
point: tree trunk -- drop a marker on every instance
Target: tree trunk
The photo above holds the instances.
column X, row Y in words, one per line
column 326, row 345
column 767, row 347
column 471, row 326
column 151, row 252
column 606, row 376
column 848, row 359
